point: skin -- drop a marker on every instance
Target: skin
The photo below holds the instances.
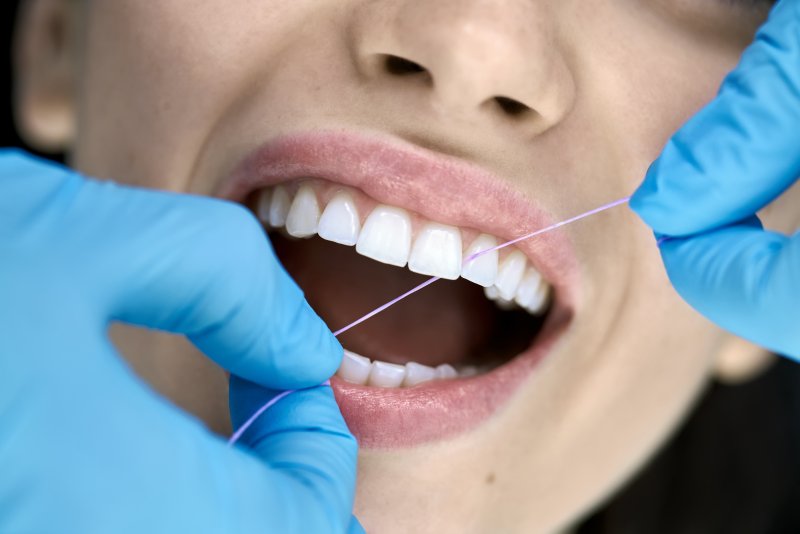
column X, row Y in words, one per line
column 172, row 94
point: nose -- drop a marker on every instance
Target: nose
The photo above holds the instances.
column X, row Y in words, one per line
column 469, row 58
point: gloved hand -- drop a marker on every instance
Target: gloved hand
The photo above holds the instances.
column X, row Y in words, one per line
column 727, row 162
column 85, row 446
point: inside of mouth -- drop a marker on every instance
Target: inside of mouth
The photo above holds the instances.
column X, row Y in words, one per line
column 449, row 322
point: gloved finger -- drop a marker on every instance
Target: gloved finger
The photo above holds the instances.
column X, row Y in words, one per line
column 27, row 184
column 739, row 152
column 744, row 279
column 305, row 441
column 204, row 268
column 181, row 263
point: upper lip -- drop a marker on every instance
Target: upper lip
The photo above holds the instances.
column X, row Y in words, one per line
column 441, row 188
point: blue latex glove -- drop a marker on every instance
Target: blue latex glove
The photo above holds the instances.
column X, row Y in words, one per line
column 727, row 162
column 85, row 446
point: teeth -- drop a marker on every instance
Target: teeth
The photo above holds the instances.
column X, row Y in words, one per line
column 264, row 203
column 483, row 269
column 416, row 373
column 469, row 370
column 539, row 302
column 386, row 375
column 355, row 368
column 437, row 251
column 445, row 371
column 358, row 369
column 279, row 207
column 506, row 305
column 528, row 288
column 510, row 274
column 386, row 236
column 303, row 217
column 492, row 293
column 340, row 222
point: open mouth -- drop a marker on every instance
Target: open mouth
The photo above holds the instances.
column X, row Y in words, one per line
column 439, row 362
column 478, row 318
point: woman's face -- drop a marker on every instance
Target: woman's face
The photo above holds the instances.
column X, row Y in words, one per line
column 490, row 116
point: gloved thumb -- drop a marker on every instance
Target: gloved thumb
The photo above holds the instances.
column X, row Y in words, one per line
column 311, row 453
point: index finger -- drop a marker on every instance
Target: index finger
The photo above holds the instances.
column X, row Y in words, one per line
column 204, row 268
column 185, row 264
column 743, row 149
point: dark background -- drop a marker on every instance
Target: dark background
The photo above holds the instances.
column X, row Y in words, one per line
column 8, row 135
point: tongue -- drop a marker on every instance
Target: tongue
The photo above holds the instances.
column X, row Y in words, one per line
column 447, row 322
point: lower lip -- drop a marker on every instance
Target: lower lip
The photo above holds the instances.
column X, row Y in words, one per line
column 387, row 418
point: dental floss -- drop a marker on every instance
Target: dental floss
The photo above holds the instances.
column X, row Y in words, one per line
column 241, row 430
column 236, row 435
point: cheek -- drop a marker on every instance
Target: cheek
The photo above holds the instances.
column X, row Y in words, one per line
column 641, row 89
column 157, row 76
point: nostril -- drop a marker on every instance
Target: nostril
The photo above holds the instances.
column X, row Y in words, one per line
column 399, row 66
column 511, row 107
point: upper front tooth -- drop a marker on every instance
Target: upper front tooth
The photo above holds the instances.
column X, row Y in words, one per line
column 386, row 236
column 279, row 207
column 483, row 269
column 510, row 274
column 264, row 203
column 386, row 375
column 303, row 217
column 416, row 373
column 437, row 251
column 340, row 222
column 354, row 368
column 526, row 291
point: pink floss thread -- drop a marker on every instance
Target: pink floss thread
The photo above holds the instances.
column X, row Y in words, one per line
column 241, row 430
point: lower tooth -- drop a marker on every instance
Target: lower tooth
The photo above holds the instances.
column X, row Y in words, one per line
column 446, row 371
column 416, row 373
column 469, row 370
column 386, row 375
column 359, row 370
column 355, row 368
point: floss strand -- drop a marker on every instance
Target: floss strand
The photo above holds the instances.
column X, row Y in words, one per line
column 241, row 430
